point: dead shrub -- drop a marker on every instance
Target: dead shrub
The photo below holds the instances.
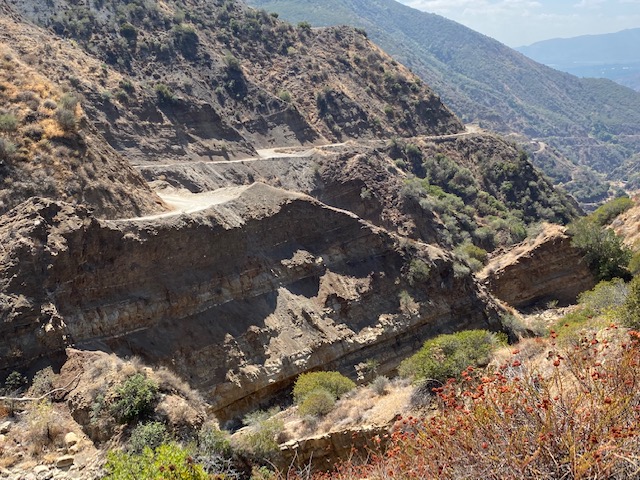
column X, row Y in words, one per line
column 44, row 427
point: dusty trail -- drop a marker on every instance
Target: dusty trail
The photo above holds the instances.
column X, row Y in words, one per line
column 263, row 154
column 185, row 202
column 297, row 152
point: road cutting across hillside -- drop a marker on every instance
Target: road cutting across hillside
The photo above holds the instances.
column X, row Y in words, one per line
column 182, row 201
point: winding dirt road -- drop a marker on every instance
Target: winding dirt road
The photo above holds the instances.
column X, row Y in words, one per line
column 185, row 202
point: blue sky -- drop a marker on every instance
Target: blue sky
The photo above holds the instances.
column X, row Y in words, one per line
column 522, row 22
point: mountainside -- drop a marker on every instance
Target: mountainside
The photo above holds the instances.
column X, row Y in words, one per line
column 614, row 56
column 202, row 80
column 48, row 148
column 593, row 123
column 255, row 201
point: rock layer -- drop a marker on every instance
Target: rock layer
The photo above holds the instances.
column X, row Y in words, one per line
column 546, row 269
column 239, row 299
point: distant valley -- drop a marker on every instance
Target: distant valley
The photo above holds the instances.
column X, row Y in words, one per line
column 615, row 56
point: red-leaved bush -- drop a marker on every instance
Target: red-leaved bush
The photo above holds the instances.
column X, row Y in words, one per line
column 576, row 415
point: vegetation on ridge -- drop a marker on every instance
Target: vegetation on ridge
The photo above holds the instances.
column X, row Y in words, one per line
column 591, row 122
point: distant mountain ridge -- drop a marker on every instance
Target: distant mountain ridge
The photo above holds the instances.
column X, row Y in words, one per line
column 593, row 122
column 615, row 56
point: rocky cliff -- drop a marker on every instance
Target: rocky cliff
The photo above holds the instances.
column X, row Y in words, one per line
column 239, row 298
column 545, row 269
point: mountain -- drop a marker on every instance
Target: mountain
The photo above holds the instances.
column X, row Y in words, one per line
column 203, row 202
column 592, row 123
column 613, row 55
column 311, row 180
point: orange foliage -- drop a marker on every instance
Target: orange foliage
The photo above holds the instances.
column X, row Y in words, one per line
column 576, row 417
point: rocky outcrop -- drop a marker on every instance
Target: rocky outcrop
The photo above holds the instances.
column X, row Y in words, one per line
column 545, row 269
column 323, row 452
column 238, row 299
column 627, row 225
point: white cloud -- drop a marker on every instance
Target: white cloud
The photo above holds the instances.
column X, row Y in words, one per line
column 589, row 3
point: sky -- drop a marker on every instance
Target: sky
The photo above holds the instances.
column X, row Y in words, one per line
column 522, row 22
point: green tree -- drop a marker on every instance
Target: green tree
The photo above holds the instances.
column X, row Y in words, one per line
column 603, row 250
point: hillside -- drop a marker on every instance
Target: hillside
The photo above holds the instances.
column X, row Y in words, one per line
column 201, row 80
column 614, row 56
column 317, row 207
column 49, row 149
column 593, row 123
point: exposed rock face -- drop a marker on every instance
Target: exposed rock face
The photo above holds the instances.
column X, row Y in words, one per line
column 238, row 299
column 322, row 452
column 543, row 270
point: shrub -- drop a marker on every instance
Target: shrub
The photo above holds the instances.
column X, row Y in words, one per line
column 333, row 382
column 164, row 93
column 606, row 213
column 232, row 63
column 632, row 305
column 317, row 403
column 474, row 256
column 129, row 32
column 419, row 272
column 406, row 301
column 44, row 426
column 151, row 435
column 186, row 40
column 304, row 26
column 42, row 382
column 8, row 122
column 14, row 383
column 515, row 328
column 50, row 104
column 380, row 385
column 66, row 119
column 604, row 251
column 7, row 149
column 212, row 440
column 168, row 461
column 261, row 438
column 606, row 295
column 214, row 453
column 634, row 264
column 284, row 96
column 447, row 356
column 68, row 101
column 135, row 398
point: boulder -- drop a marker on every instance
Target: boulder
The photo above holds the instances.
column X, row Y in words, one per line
column 65, row 461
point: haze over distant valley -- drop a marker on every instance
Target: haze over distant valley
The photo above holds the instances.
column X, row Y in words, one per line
column 615, row 56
